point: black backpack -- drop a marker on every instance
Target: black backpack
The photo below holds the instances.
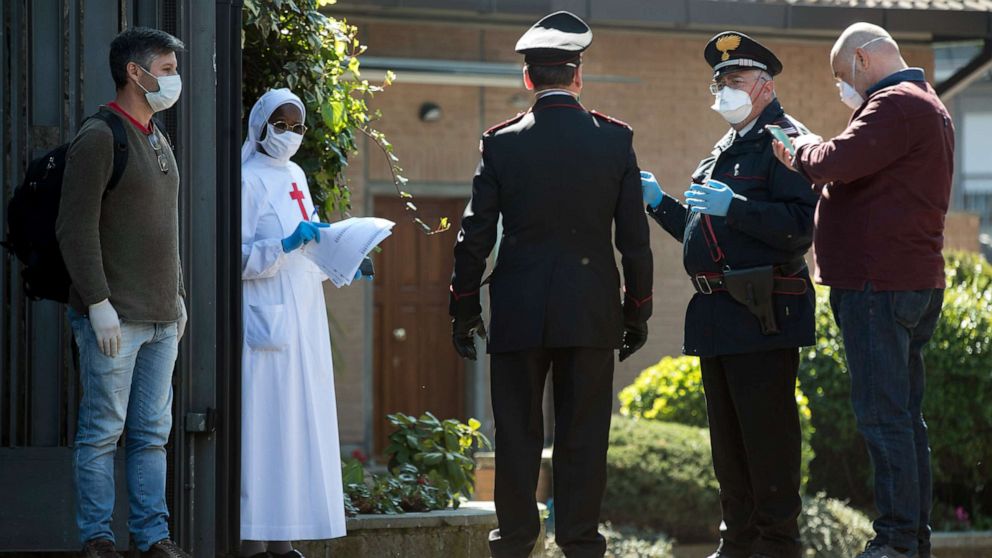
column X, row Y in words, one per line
column 34, row 208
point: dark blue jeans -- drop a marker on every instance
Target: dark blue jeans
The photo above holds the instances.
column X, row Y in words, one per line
column 884, row 335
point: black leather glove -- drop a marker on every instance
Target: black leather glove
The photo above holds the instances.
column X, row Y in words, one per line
column 463, row 332
column 635, row 334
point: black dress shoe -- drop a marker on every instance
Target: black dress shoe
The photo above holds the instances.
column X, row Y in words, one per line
column 100, row 548
column 291, row 554
column 165, row 548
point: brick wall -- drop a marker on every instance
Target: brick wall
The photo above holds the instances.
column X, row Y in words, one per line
column 668, row 107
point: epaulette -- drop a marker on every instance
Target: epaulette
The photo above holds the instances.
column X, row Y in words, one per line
column 610, row 119
column 504, row 124
column 788, row 126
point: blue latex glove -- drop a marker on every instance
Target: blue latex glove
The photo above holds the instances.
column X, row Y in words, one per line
column 305, row 232
column 359, row 275
column 651, row 190
column 712, row 198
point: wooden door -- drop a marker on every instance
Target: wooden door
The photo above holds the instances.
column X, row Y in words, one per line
column 416, row 368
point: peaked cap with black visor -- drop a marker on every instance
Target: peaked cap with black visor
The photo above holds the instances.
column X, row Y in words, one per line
column 558, row 39
column 731, row 51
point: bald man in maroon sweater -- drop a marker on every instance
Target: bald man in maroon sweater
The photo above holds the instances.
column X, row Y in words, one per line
column 879, row 233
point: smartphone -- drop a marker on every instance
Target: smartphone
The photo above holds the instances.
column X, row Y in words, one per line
column 366, row 268
column 781, row 136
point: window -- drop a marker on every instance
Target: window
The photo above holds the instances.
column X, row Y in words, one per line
column 974, row 177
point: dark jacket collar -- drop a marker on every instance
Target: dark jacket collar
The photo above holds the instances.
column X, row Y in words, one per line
column 909, row 74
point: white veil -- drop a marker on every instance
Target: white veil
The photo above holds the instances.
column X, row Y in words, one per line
column 260, row 114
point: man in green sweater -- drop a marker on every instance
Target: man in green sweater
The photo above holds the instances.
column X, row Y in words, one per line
column 121, row 248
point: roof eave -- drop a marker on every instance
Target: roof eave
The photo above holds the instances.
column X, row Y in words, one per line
column 694, row 15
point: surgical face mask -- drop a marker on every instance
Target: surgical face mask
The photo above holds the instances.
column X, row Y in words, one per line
column 848, row 94
column 734, row 105
column 169, row 88
column 280, row 146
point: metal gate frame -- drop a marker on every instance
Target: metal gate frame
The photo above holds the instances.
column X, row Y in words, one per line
column 53, row 75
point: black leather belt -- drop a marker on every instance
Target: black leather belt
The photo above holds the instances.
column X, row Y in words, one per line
column 784, row 283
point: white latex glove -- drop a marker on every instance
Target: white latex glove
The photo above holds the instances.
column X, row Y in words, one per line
column 107, row 327
column 182, row 318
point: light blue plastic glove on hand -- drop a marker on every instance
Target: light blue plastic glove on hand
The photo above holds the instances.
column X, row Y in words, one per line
column 651, row 190
column 305, row 232
column 712, row 198
column 359, row 275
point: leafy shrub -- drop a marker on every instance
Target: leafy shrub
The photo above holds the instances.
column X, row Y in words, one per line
column 947, row 518
column 660, row 477
column 830, row 528
column 672, row 391
column 841, row 467
column 622, row 542
column 957, row 409
column 439, row 450
column 957, row 406
column 292, row 44
column 429, row 468
column 406, row 491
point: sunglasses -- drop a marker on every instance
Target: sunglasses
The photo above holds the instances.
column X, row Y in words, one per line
column 283, row 127
column 163, row 160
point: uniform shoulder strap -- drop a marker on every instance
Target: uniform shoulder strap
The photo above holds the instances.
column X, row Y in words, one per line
column 120, row 145
column 504, row 124
column 611, row 120
column 790, row 126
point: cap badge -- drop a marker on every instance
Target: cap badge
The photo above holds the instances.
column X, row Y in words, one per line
column 727, row 43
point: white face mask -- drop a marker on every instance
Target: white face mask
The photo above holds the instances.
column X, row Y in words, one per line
column 169, row 88
column 848, row 94
column 733, row 105
column 280, row 146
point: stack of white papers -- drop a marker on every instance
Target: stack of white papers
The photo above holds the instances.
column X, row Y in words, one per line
column 345, row 244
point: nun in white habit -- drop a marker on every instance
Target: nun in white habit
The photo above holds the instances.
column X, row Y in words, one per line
column 290, row 455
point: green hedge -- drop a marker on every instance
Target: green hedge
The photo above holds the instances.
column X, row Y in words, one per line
column 672, row 391
column 840, row 466
column 661, row 480
column 622, row 542
column 830, row 528
column 660, row 476
column 957, row 404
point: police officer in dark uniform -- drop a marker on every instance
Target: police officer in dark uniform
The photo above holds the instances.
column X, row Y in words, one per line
column 746, row 226
column 563, row 179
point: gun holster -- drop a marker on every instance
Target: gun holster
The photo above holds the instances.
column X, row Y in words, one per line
column 754, row 288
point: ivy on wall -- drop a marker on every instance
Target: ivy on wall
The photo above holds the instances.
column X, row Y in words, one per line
column 291, row 43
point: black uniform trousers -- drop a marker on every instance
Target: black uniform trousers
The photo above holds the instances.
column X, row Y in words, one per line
column 583, row 400
column 756, row 440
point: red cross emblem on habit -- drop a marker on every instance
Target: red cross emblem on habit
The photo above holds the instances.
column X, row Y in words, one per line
column 297, row 195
